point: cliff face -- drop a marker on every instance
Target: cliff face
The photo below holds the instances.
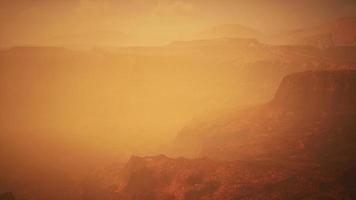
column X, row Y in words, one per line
column 290, row 148
column 310, row 118
column 320, row 91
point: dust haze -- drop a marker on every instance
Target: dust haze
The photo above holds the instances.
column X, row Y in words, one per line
column 177, row 99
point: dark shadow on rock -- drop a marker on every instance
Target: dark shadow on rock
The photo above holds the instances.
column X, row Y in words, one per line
column 7, row 196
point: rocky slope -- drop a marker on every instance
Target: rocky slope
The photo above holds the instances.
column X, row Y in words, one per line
column 163, row 178
column 311, row 117
column 226, row 71
column 331, row 92
column 298, row 146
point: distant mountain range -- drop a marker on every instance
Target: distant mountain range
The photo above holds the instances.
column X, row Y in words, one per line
column 229, row 31
column 93, row 38
column 341, row 32
column 337, row 33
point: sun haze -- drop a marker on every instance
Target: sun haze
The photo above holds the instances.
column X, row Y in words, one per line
column 177, row 99
column 151, row 22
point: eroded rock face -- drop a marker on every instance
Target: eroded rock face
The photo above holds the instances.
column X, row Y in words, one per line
column 163, row 178
column 330, row 92
column 298, row 146
column 310, row 118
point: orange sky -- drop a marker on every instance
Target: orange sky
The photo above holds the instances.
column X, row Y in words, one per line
column 36, row 21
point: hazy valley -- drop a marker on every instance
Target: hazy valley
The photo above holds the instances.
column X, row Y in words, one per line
column 226, row 112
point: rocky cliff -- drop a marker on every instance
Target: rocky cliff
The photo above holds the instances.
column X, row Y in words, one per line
column 163, row 178
column 319, row 91
column 311, row 117
column 298, row 146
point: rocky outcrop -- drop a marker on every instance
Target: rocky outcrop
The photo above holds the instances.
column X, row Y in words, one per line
column 290, row 148
column 163, row 178
column 311, row 118
column 330, row 92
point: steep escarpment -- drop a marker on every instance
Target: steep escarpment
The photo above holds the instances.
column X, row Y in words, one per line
column 286, row 149
column 311, row 118
column 320, row 91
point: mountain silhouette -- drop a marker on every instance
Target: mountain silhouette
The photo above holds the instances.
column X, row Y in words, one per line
column 229, row 31
column 341, row 32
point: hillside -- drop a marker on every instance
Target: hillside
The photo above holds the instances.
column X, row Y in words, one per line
column 308, row 107
column 206, row 75
column 163, row 178
column 289, row 148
